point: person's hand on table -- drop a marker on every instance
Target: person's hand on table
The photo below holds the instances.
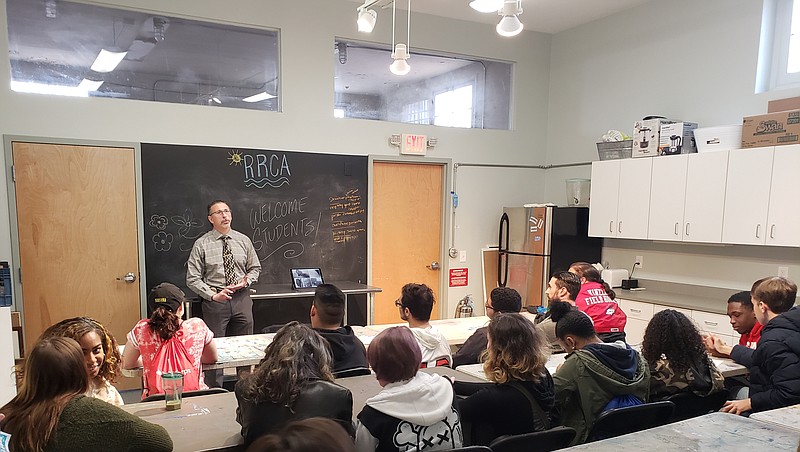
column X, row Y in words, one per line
column 737, row 406
column 716, row 346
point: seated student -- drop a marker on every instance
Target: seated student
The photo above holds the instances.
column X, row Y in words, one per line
column 595, row 376
column 100, row 352
column 51, row 411
column 315, row 434
column 501, row 299
column 414, row 411
column 522, row 399
column 293, row 381
column 598, row 301
column 416, row 304
column 743, row 320
column 149, row 335
column 677, row 357
column 563, row 286
column 775, row 365
column 327, row 312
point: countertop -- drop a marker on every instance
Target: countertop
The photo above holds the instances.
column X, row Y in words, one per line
column 686, row 296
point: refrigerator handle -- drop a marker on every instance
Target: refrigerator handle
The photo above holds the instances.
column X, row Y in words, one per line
column 502, row 257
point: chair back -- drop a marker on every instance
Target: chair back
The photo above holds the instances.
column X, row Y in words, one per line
column 354, row 372
column 689, row 404
column 198, row 392
column 621, row 421
column 472, row 449
column 545, row 441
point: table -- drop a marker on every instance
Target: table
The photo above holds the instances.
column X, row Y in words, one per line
column 457, row 331
column 715, row 431
column 275, row 291
column 788, row 416
column 209, row 422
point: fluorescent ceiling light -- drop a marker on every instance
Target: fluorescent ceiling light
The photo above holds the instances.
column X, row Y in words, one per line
column 486, row 6
column 259, row 97
column 90, row 85
column 107, row 60
column 366, row 20
column 43, row 88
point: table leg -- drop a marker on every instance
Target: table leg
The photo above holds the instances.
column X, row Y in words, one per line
column 344, row 318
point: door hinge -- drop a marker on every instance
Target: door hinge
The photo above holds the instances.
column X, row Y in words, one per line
column 13, row 173
column 19, row 270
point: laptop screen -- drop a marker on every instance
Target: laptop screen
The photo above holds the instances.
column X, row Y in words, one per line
column 306, row 277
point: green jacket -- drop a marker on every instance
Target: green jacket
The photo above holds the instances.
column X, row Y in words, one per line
column 584, row 385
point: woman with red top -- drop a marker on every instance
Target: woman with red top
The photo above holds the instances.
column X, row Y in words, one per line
column 597, row 300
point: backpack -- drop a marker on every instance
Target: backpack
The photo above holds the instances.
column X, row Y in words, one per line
column 621, row 401
column 172, row 357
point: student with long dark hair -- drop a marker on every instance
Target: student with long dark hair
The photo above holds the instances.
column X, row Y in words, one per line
column 293, row 381
column 677, row 357
column 598, row 301
column 595, row 376
column 51, row 411
column 522, row 399
column 165, row 323
column 315, row 434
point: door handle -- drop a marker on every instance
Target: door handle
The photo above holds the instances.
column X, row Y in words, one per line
column 434, row 266
column 128, row 278
column 772, row 231
column 619, row 228
column 676, row 228
column 758, row 231
column 611, row 226
column 686, row 232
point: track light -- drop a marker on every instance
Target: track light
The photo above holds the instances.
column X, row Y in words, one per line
column 486, row 6
column 366, row 19
column 509, row 24
column 159, row 28
column 400, row 66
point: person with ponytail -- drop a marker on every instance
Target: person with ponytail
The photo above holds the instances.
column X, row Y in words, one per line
column 598, row 301
column 52, row 413
column 165, row 302
column 595, row 376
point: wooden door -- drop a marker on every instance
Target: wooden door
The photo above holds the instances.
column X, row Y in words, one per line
column 406, row 237
column 76, row 217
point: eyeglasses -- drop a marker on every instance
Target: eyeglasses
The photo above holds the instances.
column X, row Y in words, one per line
column 488, row 306
column 398, row 303
column 220, row 212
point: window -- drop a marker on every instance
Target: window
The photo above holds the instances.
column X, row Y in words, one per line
column 55, row 48
column 779, row 53
column 441, row 89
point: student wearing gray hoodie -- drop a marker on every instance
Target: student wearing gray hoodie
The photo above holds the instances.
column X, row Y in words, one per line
column 414, row 411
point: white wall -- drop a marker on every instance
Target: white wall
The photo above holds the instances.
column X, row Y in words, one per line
column 306, row 122
column 686, row 59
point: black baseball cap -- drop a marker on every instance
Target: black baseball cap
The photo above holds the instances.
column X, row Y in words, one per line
column 166, row 295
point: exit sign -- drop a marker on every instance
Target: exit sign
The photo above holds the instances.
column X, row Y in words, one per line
column 414, row 144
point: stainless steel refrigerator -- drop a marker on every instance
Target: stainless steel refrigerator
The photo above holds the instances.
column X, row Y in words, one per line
column 535, row 242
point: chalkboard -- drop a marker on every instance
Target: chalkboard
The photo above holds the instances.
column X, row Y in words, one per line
column 299, row 209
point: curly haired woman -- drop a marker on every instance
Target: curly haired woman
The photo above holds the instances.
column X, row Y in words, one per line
column 677, row 357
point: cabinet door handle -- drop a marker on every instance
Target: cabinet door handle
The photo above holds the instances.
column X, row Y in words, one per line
column 611, row 226
column 676, row 228
column 710, row 323
column 758, row 230
column 638, row 311
column 619, row 228
column 686, row 230
column 772, row 231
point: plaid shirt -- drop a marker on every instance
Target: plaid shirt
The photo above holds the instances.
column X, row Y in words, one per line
column 205, row 270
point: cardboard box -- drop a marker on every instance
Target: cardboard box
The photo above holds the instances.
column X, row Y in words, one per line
column 646, row 137
column 677, row 138
column 772, row 129
column 791, row 103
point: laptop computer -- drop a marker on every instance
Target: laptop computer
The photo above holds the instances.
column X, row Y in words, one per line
column 305, row 278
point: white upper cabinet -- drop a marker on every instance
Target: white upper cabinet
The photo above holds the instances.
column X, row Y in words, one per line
column 783, row 221
column 705, row 197
column 620, row 199
column 667, row 193
column 747, row 196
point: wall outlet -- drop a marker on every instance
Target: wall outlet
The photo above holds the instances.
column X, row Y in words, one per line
column 462, row 256
column 783, row 272
column 639, row 262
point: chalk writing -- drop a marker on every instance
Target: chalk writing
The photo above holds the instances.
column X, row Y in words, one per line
column 266, row 213
column 186, row 223
column 346, row 226
column 263, row 170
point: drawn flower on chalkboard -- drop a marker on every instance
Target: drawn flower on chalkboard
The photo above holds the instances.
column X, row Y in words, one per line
column 235, row 157
column 185, row 224
column 162, row 241
column 159, row 222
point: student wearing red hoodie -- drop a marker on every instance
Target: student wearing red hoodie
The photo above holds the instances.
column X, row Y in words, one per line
column 597, row 300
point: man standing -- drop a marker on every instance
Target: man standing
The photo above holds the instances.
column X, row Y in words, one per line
column 501, row 299
column 221, row 267
column 416, row 304
column 327, row 312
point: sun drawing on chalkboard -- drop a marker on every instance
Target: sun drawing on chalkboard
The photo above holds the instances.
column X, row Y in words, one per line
column 235, row 157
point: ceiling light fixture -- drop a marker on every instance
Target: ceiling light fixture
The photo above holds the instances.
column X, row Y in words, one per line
column 400, row 51
column 89, row 85
column 509, row 24
column 107, row 60
column 366, row 19
column 486, row 6
column 259, row 97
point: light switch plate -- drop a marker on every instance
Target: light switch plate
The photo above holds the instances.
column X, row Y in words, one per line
column 462, row 256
